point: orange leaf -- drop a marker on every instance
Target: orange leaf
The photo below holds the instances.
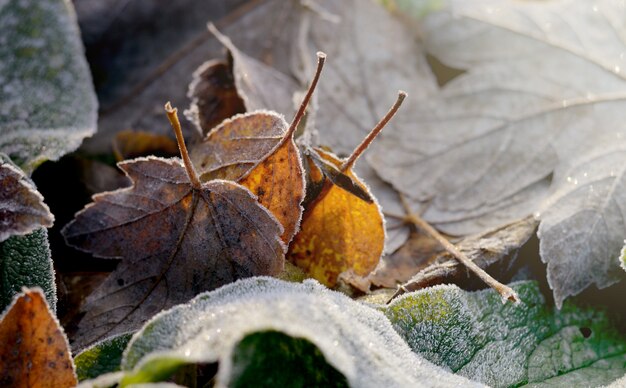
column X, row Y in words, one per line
column 339, row 231
column 258, row 151
column 34, row 351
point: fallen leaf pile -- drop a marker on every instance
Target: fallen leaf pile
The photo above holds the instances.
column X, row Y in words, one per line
column 180, row 232
column 260, row 244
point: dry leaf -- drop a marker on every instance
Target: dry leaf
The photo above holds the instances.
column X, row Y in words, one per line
column 259, row 85
column 249, row 148
column 257, row 149
column 485, row 249
column 233, row 148
column 129, row 144
column 522, row 131
column 213, row 95
column 22, row 209
column 34, row 351
column 339, row 232
column 176, row 239
column 397, row 268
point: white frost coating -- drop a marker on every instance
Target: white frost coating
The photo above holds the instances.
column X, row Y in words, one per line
column 583, row 223
column 357, row 340
column 520, row 116
column 505, row 345
column 622, row 257
column 47, row 102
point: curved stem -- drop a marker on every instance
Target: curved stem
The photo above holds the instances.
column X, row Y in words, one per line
column 506, row 292
column 373, row 133
column 321, row 58
column 172, row 115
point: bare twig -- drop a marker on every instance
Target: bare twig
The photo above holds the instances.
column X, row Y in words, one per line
column 506, row 293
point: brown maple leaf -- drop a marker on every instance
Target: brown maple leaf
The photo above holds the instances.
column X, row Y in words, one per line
column 257, row 149
column 176, row 236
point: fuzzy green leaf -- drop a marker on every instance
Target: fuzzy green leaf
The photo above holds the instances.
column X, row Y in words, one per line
column 102, row 357
column 247, row 325
column 478, row 337
column 25, row 262
column 47, row 101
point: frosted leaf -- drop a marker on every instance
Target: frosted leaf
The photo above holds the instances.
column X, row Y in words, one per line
column 522, row 131
column 47, row 102
column 622, row 258
column 355, row 340
column 25, row 261
column 102, row 357
column 22, row 209
column 478, row 337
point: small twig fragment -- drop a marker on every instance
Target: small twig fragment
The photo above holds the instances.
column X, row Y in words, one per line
column 321, row 59
column 506, row 293
column 373, row 133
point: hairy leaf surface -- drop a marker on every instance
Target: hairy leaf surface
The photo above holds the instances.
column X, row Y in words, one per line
column 501, row 345
column 25, row 261
column 47, row 101
column 233, row 326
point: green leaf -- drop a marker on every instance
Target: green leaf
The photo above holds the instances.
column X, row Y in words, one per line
column 47, row 101
column 478, row 337
column 250, row 324
column 25, row 262
column 102, row 357
column 302, row 363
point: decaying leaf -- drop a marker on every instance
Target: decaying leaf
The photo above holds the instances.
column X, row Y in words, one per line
column 213, row 95
column 22, row 209
column 130, row 144
column 236, row 146
column 397, row 268
column 257, row 150
column 34, row 351
column 339, row 232
column 47, row 102
column 176, row 236
column 485, row 250
column 505, row 140
column 260, row 86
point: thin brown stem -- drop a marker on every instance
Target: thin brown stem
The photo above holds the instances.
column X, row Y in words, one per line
column 321, row 58
column 506, row 293
column 373, row 133
column 172, row 115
